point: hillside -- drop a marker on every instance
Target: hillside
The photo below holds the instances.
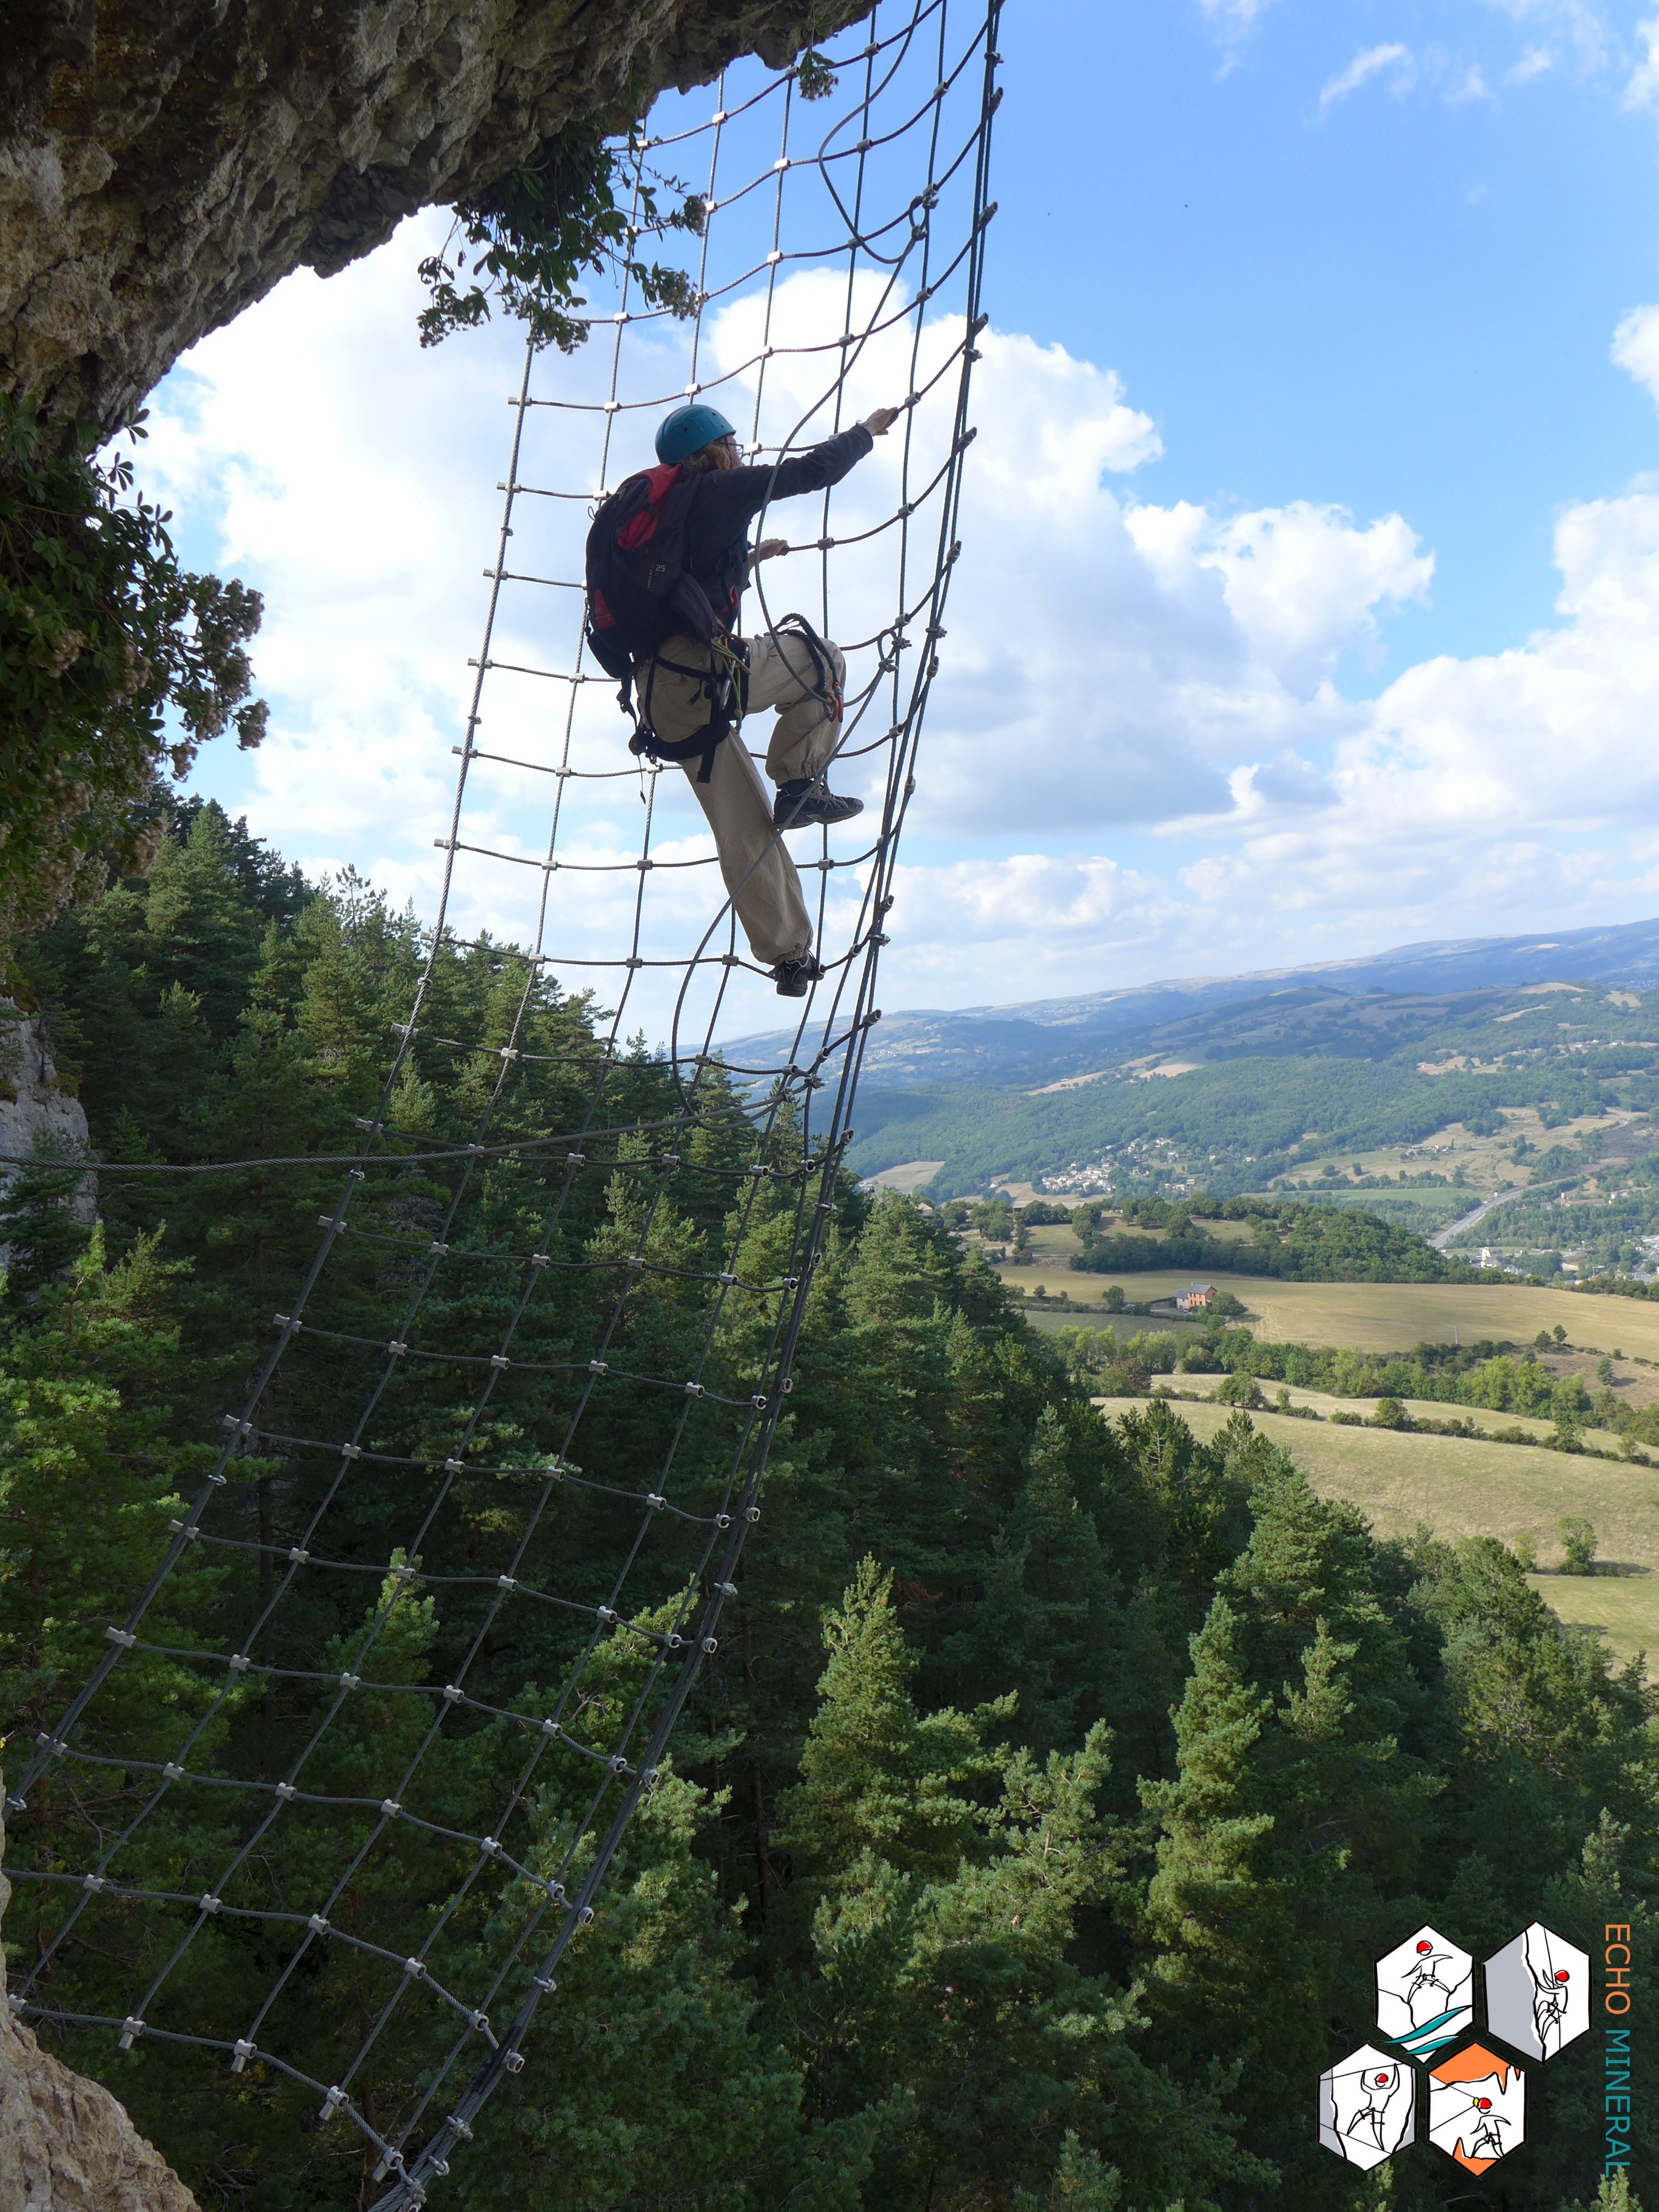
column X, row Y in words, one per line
column 1048, row 1039
column 1418, row 1105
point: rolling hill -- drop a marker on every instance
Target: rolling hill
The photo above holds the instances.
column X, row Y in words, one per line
column 1049, row 1039
column 1243, row 1083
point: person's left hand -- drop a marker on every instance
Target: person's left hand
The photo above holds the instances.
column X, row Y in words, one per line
column 768, row 549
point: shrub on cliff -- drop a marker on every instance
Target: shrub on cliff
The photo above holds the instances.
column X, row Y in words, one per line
column 115, row 666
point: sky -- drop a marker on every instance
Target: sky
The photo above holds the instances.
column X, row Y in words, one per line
column 1309, row 596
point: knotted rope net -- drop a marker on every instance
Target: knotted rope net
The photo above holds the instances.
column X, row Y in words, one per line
column 492, row 1565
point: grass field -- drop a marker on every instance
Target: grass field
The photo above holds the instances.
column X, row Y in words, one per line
column 1487, row 1162
column 1323, row 1403
column 1382, row 1317
column 1461, row 1487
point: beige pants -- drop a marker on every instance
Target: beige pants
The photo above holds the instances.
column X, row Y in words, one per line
column 759, row 874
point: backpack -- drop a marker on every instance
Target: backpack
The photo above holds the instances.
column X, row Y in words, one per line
column 639, row 588
column 640, row 592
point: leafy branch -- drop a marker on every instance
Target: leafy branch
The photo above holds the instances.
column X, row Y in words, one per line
column 115, row 666
column 582, row 204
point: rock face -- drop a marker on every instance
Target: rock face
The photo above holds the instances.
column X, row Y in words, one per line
column 33, row 1105
column 66, row 2145
column 36, row 1114
column 163, row 164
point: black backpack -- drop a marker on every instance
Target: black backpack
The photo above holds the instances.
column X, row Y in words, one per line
column 640, row 592
column 639, row 588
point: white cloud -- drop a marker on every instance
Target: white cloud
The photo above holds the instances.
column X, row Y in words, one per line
column 1470, row 780
column 1300, row 582
column 1635, row 348
column 1535, row 62
column 1576, row 23
column 1393, row 58
column 1465, row 84
column 1140, row 756
column 1232, row 22
column 1642, row 87
column 1140, row 664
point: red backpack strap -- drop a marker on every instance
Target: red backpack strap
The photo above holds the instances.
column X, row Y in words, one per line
column 640, row 529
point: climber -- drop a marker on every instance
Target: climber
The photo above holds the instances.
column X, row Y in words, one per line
column 668, row 562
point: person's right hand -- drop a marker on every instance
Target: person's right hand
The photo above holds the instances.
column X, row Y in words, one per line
column 882, row 421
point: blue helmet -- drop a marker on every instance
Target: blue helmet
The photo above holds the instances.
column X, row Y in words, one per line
column 687, row 430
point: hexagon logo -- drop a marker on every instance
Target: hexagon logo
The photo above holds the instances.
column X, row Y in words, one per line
column 1538, row 1992
column 1425, row 1993
column 1477, row 2107
column 1367, row 2107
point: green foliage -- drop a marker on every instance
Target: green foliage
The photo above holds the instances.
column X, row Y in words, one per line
column 1240, row 1389
column 576, row 205
column 1298, row 1242
column 814, row 78
column 1029, row 1838
column 1612, row 2195
column 115, row 666
column 1578, row 1544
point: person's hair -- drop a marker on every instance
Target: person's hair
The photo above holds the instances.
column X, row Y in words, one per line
column 704, row 456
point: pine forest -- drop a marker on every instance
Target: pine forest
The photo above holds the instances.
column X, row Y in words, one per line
column 1057, row 1782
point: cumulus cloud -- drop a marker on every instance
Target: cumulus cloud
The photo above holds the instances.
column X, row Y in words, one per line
column 1635, row 348
column 1111, row 662
column 1143, row 753
column 1471, row 780
column 1393, row 59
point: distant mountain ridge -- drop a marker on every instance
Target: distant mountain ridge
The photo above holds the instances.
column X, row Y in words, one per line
column 1047, row 1039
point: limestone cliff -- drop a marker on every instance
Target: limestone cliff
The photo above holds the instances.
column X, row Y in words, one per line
column 35, row 1109
column 165, row 162
column 38, row 1115
column 66, row 2144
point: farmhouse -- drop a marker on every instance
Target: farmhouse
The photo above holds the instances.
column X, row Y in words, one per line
column 1196, row 1298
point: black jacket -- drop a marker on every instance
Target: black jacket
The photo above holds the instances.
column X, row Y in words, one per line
column 727, row 499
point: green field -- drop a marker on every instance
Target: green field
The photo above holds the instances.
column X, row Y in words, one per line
column 1460, row 1487
column 1382, row 1317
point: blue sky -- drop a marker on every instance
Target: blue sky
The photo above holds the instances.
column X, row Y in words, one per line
column 1311, row 598
column 1403, row 300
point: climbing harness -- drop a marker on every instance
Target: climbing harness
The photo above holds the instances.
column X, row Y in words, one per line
column 725, row 685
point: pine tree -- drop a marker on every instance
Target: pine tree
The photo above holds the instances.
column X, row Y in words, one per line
column 943, row 1995
column 1049, row 1627
column 880, row 1781
column 92, row 1469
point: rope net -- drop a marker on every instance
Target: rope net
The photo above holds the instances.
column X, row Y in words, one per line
column 482, row 1562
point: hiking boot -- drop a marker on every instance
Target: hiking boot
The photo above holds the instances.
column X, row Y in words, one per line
column 804, row 804
column 795, row 978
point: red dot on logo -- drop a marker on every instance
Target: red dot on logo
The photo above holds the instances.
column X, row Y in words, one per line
column 1381, row 2081
column 1562, row 1975
column 1484, row 2102
column 1423, row 1947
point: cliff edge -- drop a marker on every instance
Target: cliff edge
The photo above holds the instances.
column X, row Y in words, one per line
column 66, row 2144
